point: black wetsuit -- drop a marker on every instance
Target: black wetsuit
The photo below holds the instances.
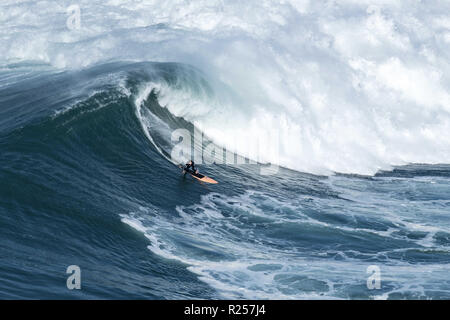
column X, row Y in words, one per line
column 190, row 167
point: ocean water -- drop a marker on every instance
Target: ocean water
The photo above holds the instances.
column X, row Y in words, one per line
column 350, row 105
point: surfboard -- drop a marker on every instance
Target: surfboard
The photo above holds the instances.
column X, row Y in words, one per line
column 199, row 176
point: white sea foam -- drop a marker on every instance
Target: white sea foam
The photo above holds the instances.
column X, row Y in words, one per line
column 224, row 240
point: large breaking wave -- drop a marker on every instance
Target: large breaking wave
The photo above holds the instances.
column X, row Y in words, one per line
column 349, row 87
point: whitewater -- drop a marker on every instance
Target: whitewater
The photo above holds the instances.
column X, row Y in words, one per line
column 348, row 100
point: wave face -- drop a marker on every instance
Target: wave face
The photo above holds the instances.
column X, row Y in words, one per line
column 348, row 87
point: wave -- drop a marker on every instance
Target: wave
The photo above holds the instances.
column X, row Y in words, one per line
column 171, row 96
column 85, row 151
column 91, row 119
column 354, row 88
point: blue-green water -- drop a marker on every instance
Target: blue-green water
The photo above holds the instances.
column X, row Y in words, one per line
column 82, row 184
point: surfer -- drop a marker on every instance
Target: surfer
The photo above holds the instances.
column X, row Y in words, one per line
column 190, row 166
